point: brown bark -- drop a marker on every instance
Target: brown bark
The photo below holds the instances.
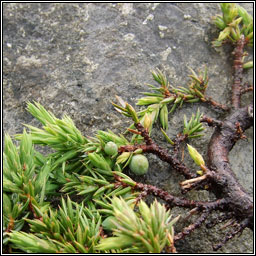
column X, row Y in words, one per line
column 238, row 73
column 224, row 180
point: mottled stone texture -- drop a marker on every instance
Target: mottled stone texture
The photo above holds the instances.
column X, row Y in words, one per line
column 74, row 58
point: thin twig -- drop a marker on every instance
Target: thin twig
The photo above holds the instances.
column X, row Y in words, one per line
column 219, row 219
column 229, row 235
column 216, row 104
column 173, row 200
column 211, row 121
column 186, row 231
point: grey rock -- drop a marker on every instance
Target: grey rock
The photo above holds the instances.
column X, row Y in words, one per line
column 74, row 57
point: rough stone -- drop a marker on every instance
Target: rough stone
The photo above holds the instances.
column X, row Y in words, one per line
column 74, row 57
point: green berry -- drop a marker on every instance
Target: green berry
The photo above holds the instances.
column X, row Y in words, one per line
column 111, row 148
column 107, row 224
column 139, row 164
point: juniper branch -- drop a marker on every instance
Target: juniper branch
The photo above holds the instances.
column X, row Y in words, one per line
column 162, row 153
column 238, row 72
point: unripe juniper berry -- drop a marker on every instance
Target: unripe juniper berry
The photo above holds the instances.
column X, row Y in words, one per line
column 110, row 148
column 139, row 164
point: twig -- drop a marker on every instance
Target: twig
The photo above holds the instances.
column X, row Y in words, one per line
column 177, row 142
column 238, row 73
column 187, row 183
column 231, row 234
column 186, row 231
column 173, row 200
column 247, row 88
column 162, row 153
column 239, row 131
column 219, row 219
column 211, row 121
column 216, row 104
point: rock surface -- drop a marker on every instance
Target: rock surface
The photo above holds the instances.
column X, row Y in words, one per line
column 73, row 58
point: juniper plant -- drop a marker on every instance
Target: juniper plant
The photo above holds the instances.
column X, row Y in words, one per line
column 100, row 209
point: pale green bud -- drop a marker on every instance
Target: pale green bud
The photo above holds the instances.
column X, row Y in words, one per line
column 198, row 159
column 200, row 172
column 224, row 34
column 138, row 151
column 123, row 157
column 147, row 121
column 248, row 64
column 235, row 22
